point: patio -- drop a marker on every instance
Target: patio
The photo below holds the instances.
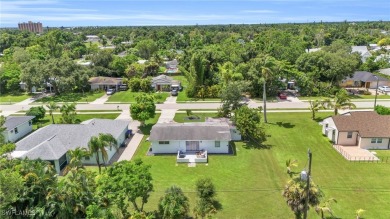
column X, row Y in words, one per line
column 192, row 157
column 354, row 153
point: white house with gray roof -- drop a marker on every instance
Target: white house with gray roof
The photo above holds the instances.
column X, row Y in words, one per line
column 17, row 127
column 363, row 52
column 52, row 142
column 213, row 137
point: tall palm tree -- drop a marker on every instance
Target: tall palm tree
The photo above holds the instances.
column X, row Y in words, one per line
column 97, row 146
column 267, row 70
column 52, row 106
column 342, row 101
column 76, row 157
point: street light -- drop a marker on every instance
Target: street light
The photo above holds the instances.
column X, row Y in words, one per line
column 305, row 176
column 376, row 90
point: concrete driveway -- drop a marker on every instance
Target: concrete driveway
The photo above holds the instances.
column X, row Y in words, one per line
column 167, row 116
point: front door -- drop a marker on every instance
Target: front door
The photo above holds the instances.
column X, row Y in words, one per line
column 334, row 136
column 192, row 145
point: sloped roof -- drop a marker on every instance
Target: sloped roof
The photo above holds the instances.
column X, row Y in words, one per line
column 365, row 77
column 367, row 123
column 217, row 131
column 105, row 80
column 12, row 122
column 162, row 79
column 385, row 71
column 53, row 141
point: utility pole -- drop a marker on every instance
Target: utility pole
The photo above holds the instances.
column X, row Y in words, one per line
column 307, row 186
column 376, row 90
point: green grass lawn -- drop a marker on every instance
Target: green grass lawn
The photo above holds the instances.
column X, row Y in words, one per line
column 249, row 185
column 13, row 98
column 82, row 117
column 182, row 117
column 129, row 97
column 73, row 97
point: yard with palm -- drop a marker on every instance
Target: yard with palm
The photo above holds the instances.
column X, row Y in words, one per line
column 249, row 184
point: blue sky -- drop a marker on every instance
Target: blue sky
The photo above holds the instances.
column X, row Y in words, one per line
column 187, row 12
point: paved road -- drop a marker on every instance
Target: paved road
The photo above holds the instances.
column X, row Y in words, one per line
column 9, row 109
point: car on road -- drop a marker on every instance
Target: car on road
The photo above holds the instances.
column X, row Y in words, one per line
column 384, row 89
column 110, row 91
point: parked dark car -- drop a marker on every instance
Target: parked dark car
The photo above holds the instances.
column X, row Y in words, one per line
column 174, row 92
column 110, row 91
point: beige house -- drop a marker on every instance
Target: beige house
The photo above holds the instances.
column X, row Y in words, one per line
column 104, row 83
column 365, row 130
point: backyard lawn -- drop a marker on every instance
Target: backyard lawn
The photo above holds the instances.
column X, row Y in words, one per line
column 196, row 117
column 82, row 117
column 129, row 97
column 73, row 97
column 249, row 184
column 13, row 98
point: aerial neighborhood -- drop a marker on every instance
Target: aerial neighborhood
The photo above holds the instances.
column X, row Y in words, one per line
column 291, row 119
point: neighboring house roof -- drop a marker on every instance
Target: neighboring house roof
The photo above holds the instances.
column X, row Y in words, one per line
column 190, row 131
column 53, row 141
column 386, row 57
column 365, row 77
column 12, row 122
column 362, row 50
column 367, row 123
column 141, row 61
column 105, row 80
column 385, row 71
column 172, row 63
column 162, row 79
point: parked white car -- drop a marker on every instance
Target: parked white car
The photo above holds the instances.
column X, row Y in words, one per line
column 110, row 91
column 384, row 89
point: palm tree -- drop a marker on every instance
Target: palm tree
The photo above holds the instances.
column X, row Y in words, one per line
column 318, row 105
column 342, row 101
column 2, row 128
column 52, row 106
column 290, row 164
column 267, row 70
column 98, row 144
column 359, row 213
column 68, row 113
column 76, row 157
column 325, row 208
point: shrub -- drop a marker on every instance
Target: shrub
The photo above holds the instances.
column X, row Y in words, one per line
column 38, row 111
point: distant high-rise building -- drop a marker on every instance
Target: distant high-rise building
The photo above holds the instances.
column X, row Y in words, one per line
column 31, row 26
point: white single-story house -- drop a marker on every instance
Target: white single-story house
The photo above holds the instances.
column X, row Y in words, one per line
column 212, row 137
column 363, row 52
column 236, row 135
column 104, row 83
column 52, row 142
column 364, row 79
column 364, row 129
column 17, row 127
column 164, row 83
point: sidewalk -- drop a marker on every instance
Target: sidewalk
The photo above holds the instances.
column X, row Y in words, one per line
column 100, row 100
column 167, row 115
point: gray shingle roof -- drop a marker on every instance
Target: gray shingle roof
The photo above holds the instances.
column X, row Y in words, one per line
column 105, row 80
column 365, row 77
column 12, row 122
column 52, row 141
column 190, row 131
column 367, row 123
column 162, row 79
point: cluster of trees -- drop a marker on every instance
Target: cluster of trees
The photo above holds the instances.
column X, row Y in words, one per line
column 68, row 113
column 121, row 191
column 210, row 56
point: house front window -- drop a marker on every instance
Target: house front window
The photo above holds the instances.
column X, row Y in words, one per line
column 217, row 144
column 163, row 142
column 349, row 135
column 378, row 140
column 16, row 130
column 373, row 140
column 30, row 123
